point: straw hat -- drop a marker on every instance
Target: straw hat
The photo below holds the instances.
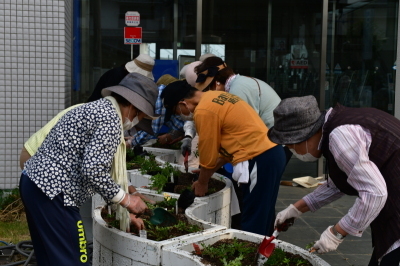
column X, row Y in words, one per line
column 165, row 80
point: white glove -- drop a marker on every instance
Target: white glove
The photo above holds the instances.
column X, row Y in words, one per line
column 289, row 212
column 327, row 242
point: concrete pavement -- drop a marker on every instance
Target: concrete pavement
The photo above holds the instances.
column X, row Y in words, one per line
column 354, row 251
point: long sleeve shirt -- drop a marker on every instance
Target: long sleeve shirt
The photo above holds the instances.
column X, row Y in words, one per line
column 141, row 137
column 349, row 145
column 76, row 156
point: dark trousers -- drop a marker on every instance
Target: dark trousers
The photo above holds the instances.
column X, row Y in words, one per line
column 258, row 206
column 391, row 259
column 56, row 230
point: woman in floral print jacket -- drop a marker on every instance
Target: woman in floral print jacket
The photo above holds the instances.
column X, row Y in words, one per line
column 74, row 162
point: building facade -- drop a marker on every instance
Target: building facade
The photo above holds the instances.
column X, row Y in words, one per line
column 53, row 52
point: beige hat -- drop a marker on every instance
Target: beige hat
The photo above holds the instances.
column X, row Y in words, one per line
column 189, row 74
column 143, row 64
column 165, row 80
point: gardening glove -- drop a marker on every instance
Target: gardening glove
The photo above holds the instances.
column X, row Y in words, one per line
column 128, row 142
column 289, row 212
column 136, row 205
column 186, row 145
column 137, row 222
column 328, row 242
column 200, row 189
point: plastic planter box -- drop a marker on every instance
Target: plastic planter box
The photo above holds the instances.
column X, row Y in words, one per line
column 181, row 253
column 166, row 155
column 114, row 247
column 218, row 208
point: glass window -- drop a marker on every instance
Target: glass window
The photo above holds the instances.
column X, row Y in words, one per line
column 361, row 53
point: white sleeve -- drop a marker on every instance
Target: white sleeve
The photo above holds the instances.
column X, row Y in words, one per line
column 190, row 129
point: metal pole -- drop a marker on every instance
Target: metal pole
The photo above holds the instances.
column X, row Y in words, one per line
column 199, row 22
column 397, row 75
column 324, row 37
column 269, row 41
column 175, row 48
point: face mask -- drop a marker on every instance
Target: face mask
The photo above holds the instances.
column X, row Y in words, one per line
column 186, row 117
column 308, row 157
column 128, row 124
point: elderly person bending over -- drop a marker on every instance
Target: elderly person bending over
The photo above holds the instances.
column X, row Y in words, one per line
column 231, row 131
column 362, row 151
column 83, row 154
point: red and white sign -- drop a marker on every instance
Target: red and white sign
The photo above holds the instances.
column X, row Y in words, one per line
column 299, row 63
column 132, row 35
column 132, row 18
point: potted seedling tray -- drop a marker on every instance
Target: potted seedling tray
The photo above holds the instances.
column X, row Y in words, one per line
column 185, row 253
column 112, row 246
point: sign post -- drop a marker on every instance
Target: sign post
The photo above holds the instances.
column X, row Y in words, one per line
column 132, row 33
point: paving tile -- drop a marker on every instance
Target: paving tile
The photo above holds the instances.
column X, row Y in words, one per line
column 338, row 260
column 355, row 251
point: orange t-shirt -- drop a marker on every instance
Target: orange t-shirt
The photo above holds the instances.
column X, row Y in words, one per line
column 229, row 127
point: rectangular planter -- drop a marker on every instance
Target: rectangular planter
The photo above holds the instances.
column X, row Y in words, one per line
column 114, row 247
column 181, row 253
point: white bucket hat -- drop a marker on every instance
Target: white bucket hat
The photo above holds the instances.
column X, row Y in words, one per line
column 189, row 74
column 143, row 64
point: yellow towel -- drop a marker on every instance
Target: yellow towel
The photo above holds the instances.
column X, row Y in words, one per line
column 118, row 171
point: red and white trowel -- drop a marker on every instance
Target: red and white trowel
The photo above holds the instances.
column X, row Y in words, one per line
column 266, row 247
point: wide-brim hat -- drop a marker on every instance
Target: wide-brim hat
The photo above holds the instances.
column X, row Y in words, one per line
column 172, row 94
column 140, row 91
column 296, row 119
column 145, row 125
column 165, row 80
column 143, row 64
column 207, row 76
column 189, row 74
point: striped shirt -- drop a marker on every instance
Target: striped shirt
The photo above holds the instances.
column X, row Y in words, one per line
column 141, row 137
column 349, row 144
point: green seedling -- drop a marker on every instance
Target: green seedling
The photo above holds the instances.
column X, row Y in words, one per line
column 279, row 258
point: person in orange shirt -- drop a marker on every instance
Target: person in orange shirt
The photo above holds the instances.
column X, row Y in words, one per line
column 231, row 131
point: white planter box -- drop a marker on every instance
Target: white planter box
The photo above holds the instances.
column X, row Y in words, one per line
column 114, row 247
column 218, row 208
column 166, row 155
column 181, row 253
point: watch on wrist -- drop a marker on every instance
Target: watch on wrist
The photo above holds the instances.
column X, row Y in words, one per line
column 337, row 234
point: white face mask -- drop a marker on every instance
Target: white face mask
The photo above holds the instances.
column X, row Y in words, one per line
column 186, row 117
column 128, row 124
column 308, row 157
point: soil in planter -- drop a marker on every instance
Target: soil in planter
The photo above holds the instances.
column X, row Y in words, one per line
column 186, row 180
column 174, row 146
column 242, row 252
column 156, row 233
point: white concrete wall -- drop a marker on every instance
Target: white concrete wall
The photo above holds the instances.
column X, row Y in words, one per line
column 35, row 73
